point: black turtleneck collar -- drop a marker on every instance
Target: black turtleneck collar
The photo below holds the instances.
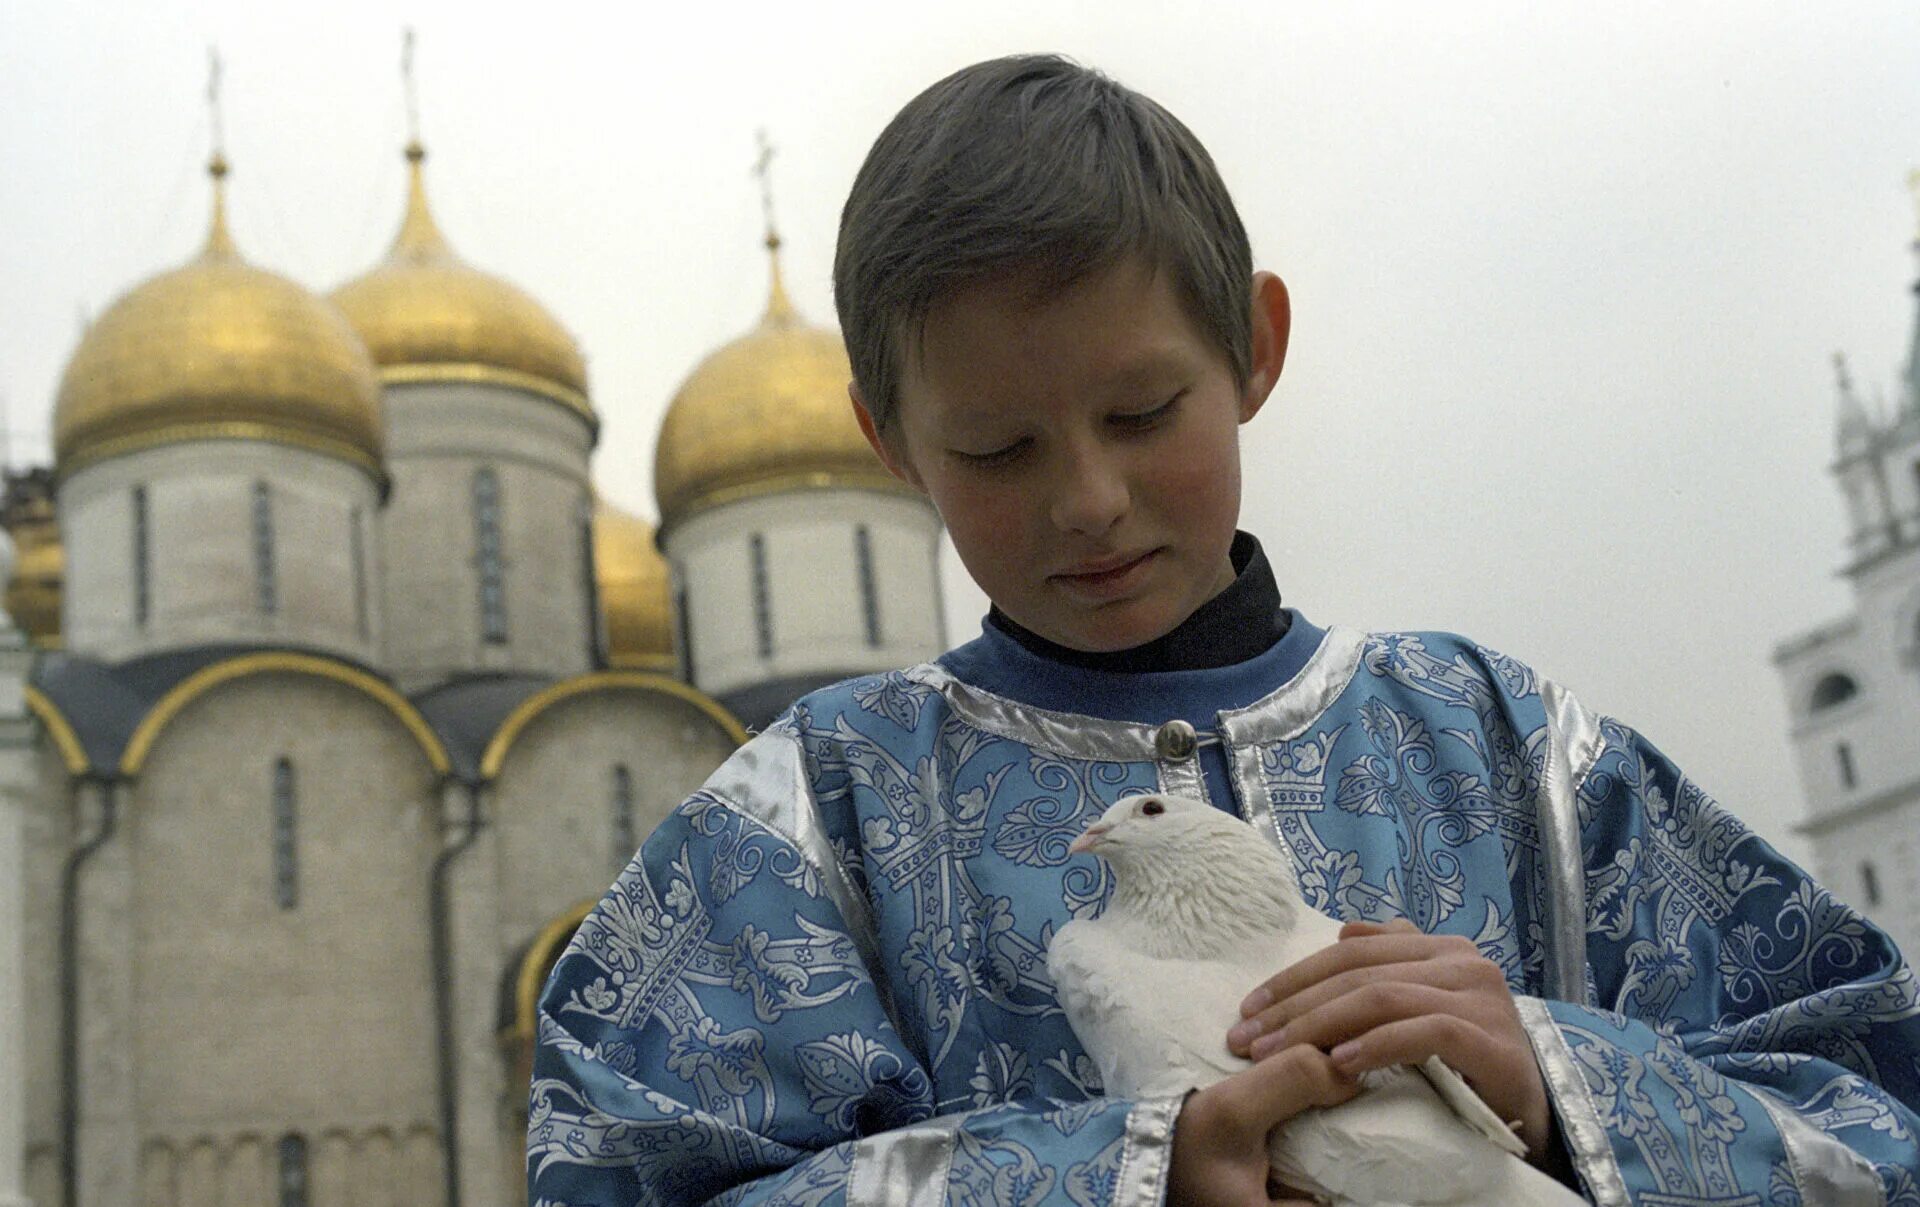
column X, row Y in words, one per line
column 1244, row 620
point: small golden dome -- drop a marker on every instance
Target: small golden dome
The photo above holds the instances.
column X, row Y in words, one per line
column 632, row 578
column 428, row 316
column 218, row 348
column 33, row 591
column 765, row 414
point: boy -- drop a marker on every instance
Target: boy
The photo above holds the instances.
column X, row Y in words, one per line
column 823, row 978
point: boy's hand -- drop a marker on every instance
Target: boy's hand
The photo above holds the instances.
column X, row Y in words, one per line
column 1220, row 1138
column 1390, row 995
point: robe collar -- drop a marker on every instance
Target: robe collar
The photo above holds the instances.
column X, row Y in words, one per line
column 1243, row 621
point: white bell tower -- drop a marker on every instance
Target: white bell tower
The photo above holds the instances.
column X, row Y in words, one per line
column 1853, row 684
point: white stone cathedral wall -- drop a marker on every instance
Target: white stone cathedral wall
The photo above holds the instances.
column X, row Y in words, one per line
column 253, row 1021
column 438, row 434
column 47, row 838
column 368, row 1167
column 201, row 569
column 552, row 803
column 813, row 585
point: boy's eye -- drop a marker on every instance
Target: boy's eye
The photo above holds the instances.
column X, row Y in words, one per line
column 1140, row 421
column 998, row 456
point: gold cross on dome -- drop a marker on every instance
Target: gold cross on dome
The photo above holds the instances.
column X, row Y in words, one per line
column 763, row 168
column 407, row 85
column 213, row 107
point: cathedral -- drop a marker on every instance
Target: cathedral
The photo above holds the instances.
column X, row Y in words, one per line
column 338, row 695
column 1853, row 684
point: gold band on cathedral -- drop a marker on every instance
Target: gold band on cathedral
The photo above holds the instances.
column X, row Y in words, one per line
column 239, row 429
column 491, row 375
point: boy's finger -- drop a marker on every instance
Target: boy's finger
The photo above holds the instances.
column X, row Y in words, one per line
column 1276, row 1089
column 1457, row 1042
column 1357, row 928
column 1358, row 1012
column 1394, row 947
column 1440, row 974
column 1264, row 1025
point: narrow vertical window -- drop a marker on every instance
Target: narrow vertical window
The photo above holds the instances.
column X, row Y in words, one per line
column 590, row 588
column 487, row 556
column 625, row 842
column 1843, row 753
column 1870, row 881
column 683, row 631
column 266, row 592
column 869, row 593
column 357, row 551
column 286, row 873
column 293, row 1171
column 762, row 599
column 142, row 557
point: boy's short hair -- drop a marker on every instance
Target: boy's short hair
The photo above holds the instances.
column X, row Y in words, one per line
column 1035, row 165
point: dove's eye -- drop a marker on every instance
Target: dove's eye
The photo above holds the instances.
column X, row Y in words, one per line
column 1152, row 808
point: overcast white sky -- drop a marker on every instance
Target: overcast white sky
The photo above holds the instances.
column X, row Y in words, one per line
column 1565, row 281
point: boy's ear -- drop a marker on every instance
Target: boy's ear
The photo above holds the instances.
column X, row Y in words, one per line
column 1272, row 324
column 895, row 459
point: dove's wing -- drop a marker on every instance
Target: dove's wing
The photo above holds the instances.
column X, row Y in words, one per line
column 1151, row 1026
column 1396, row 1143
column 1401, row 1145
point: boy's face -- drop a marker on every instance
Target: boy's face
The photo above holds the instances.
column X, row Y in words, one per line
column 1083, row 449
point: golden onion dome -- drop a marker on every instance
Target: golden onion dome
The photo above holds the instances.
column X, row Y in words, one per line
column 635, row 599
column 39, row 574
column 218, row 348
column 33, row 591
column 765, row 414
column 426, row 315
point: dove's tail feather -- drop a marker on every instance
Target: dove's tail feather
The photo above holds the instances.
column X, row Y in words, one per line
column 1518, row 1185
column 1521, row 1185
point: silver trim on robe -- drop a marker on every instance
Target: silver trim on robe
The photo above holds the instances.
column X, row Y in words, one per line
column 1182, row 777
column 1067, row 734
column 1573, row 746
column 1288, row 710
column 1286, row 713
column 905, row 1167
column 1825, row 1171
column 1146, row 1157
column 1580, row 1124
column 766, row 780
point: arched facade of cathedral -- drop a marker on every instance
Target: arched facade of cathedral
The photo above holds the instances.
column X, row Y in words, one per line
column 346, row 696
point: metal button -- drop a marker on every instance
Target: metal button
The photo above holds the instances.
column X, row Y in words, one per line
column 1175, row 740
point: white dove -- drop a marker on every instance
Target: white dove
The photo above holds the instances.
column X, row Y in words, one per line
column 1204, row 909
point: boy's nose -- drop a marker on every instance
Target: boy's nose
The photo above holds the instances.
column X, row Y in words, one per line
column 1090, row 495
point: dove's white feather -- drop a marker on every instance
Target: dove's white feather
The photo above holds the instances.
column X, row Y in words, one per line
column 1203, row 910
column 1176, row 1046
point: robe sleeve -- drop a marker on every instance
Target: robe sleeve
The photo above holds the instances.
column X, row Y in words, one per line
column 720, row 1029
column 1746, row 1038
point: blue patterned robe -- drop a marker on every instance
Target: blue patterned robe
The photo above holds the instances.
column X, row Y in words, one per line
column 823, row 978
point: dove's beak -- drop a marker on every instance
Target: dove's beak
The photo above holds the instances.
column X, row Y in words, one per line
column 1089, row 838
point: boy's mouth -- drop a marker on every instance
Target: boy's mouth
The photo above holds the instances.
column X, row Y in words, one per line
column 1105, row 577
